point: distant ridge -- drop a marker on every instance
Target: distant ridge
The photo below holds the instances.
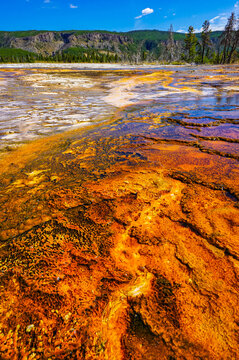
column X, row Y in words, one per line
column 90, row 45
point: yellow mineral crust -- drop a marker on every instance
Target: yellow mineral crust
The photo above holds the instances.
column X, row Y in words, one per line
column 122, row 93
column 118, row 247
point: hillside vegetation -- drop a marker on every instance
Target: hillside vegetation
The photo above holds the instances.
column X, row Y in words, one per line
column 106, row 46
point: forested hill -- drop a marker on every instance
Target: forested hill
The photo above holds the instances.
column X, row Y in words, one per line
column 93, row 46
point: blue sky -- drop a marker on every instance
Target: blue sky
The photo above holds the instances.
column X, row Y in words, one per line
column 121, row 15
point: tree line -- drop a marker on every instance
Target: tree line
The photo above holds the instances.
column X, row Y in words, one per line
column 203, row 51
column 198, row 49
column 74, row 55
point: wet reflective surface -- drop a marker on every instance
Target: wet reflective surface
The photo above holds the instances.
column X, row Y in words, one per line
column 37, row 104
column 120, row 240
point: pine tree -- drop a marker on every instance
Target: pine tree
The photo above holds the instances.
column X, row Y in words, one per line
column 229, row 39
column 205, row 37
column 190, row 44
column 234, row 42
column 171, row 44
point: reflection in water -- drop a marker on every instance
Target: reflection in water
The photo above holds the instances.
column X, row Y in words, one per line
column 120, row 241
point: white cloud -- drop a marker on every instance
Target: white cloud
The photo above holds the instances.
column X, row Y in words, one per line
column 73, row 6
column 198, row 30
column 214, row 19
column 144, row 12
column 147, row 11
column 47, row 1
column 218, row 22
